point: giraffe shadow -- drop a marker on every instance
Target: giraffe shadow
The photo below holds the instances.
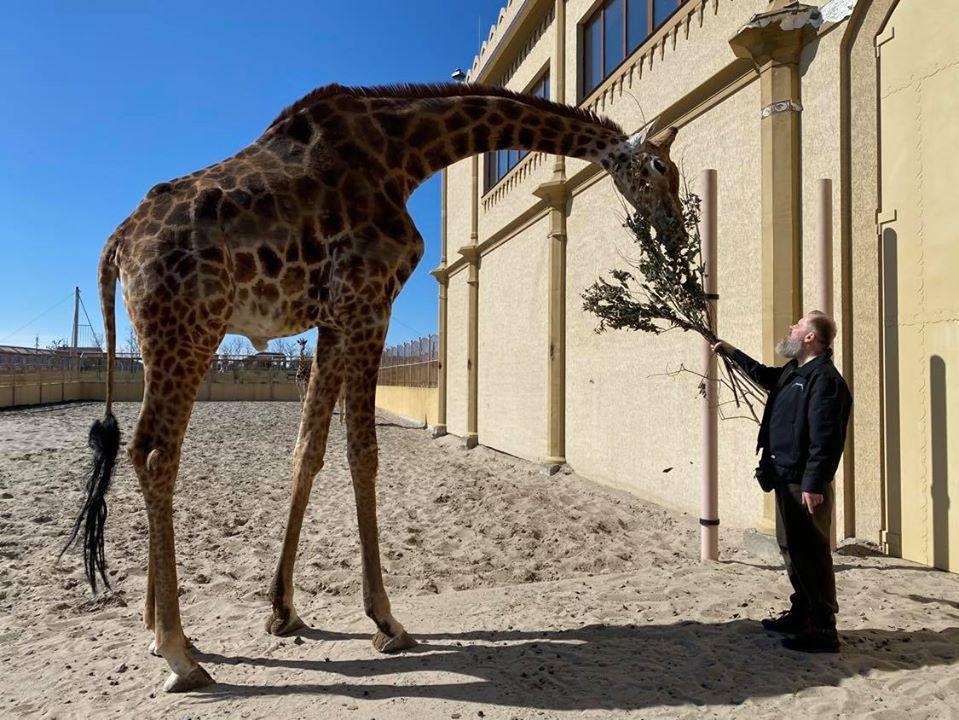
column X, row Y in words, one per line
column 627, row 667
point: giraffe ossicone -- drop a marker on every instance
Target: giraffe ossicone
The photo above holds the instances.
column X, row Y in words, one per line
column 307, row 228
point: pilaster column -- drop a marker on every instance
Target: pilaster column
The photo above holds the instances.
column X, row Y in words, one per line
column 472, row 255
column 556, row 195
column 558, row 72
column 442, row 278
column 774, row 41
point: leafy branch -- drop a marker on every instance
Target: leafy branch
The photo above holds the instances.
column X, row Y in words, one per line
column 665, row 289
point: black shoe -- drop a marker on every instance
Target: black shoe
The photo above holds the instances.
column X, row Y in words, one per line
column 789, row 621
column 814, row 640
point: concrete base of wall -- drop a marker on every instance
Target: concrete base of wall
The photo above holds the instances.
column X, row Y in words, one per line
column 414, row 403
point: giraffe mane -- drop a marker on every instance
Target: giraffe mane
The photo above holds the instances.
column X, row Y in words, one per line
column 427, row 91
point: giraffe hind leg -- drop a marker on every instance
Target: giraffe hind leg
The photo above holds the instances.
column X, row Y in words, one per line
column 325, row 378
column 361, row 372
column 175, row 373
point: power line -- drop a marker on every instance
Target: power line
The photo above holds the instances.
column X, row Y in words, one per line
column 90, row 325
column 28, row 324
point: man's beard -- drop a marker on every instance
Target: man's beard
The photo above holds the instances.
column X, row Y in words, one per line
column 788, row 347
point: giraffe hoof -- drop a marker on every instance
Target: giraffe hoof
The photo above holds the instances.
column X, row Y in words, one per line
column 386, row 644
column 156, row 653
column 197, row 678
column 279, row 626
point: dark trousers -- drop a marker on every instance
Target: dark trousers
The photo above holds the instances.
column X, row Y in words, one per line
column 804, row 544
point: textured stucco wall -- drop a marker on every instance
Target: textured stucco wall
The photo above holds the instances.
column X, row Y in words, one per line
column 863, row 203
column 458, row 207
column 919, row 91
column 626, row 423
column 513, row 344
column 456, row 387
column 819, row 69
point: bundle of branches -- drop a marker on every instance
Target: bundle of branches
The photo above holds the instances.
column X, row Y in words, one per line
column 664, row 289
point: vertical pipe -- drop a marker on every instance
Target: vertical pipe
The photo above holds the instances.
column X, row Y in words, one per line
column 709, row 497
column 824, row 235
column 824, row 300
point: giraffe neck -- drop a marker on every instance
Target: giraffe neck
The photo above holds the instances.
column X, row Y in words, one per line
column 402, row 140
column 447, row 130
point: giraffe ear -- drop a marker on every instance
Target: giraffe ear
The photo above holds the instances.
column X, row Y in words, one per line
column 665, row 141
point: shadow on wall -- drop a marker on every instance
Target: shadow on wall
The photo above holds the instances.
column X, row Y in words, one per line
column 890, row 365
column 940, row 463
column 601, row 667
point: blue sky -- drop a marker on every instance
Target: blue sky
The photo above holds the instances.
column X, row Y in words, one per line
column 101, row 100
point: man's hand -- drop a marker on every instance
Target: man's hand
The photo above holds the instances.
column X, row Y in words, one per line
column 811, row 500
column 721, row 346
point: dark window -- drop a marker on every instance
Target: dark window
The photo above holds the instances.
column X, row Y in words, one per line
column 615, row 30
column 499, row 162
column 613, row 42
column 593, row 52
column 637, row 25
column 662, row 9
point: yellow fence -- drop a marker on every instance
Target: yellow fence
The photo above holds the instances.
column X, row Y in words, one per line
column 415, row 403
column 39, row 392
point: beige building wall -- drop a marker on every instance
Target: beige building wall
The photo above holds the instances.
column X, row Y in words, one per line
column 457, row 318
column 626, row 421
column 821, row 159
column 919, row 104
column 458, row 201
column 513, row 344
column 688, row 74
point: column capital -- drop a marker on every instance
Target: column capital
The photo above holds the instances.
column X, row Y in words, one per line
column 471, row 253
column 441, row 273
column 554, row 192
column 777, row 35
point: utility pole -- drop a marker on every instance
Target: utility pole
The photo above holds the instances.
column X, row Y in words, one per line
column 76, row 328
column 76, row 319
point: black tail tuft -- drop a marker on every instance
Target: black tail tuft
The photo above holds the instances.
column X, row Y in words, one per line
column 105, row 443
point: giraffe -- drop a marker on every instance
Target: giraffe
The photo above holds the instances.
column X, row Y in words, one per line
column 302, row 377
column 307, row 228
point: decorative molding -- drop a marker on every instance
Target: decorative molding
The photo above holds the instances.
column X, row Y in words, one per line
column 514, row 177
column 441, row 273
column 782, row 106
column 528, row 46
column 500, row 34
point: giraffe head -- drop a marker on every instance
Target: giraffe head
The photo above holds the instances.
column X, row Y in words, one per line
column 649, row 179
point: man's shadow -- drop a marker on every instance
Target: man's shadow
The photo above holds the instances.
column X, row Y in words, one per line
column 600, row 667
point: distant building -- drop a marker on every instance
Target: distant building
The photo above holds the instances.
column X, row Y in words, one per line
column 12, row 356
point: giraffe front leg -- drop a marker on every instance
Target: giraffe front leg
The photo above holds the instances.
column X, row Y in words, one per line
column 362, row 454
column 325, row 378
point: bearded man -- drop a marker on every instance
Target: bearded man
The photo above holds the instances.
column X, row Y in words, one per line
column 801, row 437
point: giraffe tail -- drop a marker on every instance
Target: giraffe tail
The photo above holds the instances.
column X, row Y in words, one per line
column 104, row 440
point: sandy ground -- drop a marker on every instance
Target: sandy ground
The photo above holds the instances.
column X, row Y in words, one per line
column 532, row 597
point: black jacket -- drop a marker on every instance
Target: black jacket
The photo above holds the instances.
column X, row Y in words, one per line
column 804, row 424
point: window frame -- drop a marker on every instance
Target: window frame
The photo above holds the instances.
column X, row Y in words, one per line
column 597, row 14
column 489, row 181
